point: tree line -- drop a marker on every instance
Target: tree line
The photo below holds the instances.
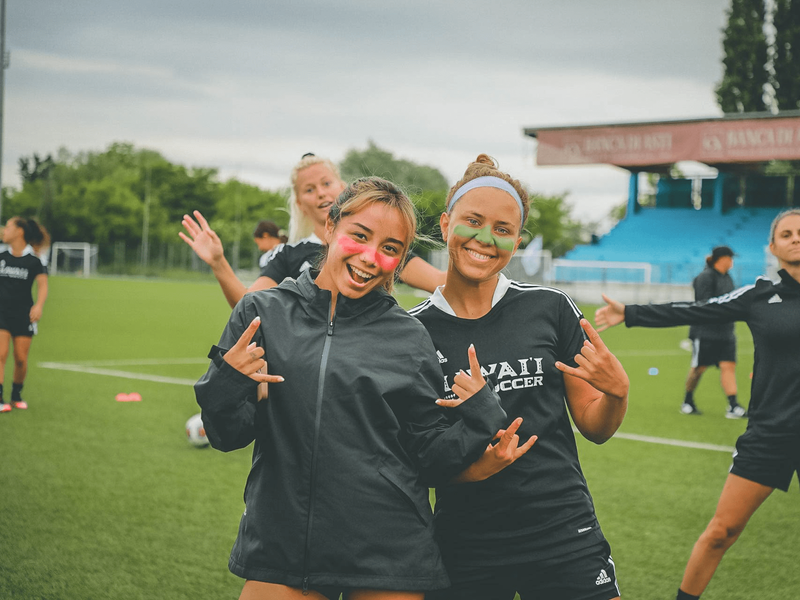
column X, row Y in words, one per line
column 761, row 45
column 123, row 194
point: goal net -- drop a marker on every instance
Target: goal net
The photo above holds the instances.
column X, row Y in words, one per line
column 76, row 258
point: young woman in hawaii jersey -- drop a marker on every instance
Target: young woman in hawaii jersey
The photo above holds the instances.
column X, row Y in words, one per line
column 530, row 529
column 315, row 186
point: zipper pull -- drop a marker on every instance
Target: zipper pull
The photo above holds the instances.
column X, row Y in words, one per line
column 305, row 586
column 330, row 327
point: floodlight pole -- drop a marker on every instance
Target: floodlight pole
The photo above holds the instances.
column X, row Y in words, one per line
column 3, row 67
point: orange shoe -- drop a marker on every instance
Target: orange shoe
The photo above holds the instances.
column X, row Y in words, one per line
column 22, row 405
column 5, row 408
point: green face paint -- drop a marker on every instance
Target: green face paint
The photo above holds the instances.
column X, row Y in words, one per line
column 485, row 236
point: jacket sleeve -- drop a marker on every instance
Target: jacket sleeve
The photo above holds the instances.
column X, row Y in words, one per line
column 704, row 286
column 444, row 441
column 227, row 397
column 722, row 309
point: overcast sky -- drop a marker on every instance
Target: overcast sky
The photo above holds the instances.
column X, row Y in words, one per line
column 248, row 86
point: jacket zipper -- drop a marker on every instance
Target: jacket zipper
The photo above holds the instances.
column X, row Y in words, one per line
column 317, row 420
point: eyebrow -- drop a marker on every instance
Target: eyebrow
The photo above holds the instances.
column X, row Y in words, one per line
column 472, row 213
column 368, row 230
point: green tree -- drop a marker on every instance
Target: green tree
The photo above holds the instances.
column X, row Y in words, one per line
column 745, row 46
column 551, row 217
column 426, row 185
column 786, row 54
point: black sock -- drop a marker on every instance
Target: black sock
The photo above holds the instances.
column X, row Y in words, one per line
column 689, row 398
column 732, row 400
column 16, row 390
column 1, row 393
column 684, row 596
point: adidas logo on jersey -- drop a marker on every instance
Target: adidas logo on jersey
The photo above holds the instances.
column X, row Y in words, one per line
column 442, row 359
column 774, row 299
column 602, row 578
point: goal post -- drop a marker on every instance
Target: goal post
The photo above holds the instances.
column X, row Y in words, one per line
column 79, row 258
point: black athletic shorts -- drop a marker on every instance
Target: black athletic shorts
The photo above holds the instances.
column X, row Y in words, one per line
column 17, row 323
column 768, row 459
column 707, row 353
column 587, row 575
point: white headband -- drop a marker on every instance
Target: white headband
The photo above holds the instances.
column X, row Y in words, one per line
column 488, row 181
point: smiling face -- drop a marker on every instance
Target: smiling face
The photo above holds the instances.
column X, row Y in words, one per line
column 364, row 249
column 315, row 190
column 482, row 233
column 785, row 244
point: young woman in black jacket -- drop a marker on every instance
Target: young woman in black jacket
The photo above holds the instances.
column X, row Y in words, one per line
column 768, row 452
column 349, row 433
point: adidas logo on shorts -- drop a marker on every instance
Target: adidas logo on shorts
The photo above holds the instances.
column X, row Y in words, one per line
column 602, row 578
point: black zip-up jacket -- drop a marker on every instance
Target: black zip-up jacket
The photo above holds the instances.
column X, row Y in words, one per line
column 710, row 283
column 772, row 311
column 345, row 446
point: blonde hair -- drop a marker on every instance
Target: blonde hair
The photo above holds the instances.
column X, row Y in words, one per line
column 300, row 225
column 369, row 190
column 778, row 219
column 484, row 165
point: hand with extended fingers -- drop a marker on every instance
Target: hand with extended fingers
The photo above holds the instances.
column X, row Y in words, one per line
column 613, row 313
column 247, row 358
column 598, row 366
column 466, row 385
column 499, row 455
column 202, row 239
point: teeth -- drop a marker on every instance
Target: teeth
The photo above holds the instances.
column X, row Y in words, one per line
column 361, row 273
column 477, row 255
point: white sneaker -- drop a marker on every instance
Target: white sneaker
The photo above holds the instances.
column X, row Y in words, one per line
column 690, row 409
column 736, row 412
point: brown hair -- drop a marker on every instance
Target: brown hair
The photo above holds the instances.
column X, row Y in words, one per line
column 271, row 229
column 34, row 234
column 484, row 166
column 368, row 190
column 300, row 225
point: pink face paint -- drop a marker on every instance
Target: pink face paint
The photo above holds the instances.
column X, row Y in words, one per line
column 349, row 245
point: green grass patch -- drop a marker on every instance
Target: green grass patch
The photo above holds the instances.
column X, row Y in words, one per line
column 102, row 499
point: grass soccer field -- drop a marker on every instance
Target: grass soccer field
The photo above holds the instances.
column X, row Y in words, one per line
column 102, row 499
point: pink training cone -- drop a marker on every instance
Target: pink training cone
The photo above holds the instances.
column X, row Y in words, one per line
column 133, row 397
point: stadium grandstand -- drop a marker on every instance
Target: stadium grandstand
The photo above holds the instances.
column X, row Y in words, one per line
column 755, row 156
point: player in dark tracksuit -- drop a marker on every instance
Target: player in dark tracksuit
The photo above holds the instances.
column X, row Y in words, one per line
column 531, row 528
column 19, row 270
column 714, row 344
column 768, row 452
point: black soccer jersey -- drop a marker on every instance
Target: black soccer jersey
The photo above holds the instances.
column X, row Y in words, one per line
column 290, row 260
column 540, row 506
column 17, row 274
column 772, row 311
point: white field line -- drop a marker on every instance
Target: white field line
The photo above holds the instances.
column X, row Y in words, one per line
column 668, row 442
column 117, row 373
column 95, row 370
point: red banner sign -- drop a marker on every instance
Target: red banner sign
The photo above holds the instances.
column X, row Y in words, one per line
column 714, row 141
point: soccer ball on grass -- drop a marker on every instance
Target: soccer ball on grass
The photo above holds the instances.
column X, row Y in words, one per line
column 195, row 432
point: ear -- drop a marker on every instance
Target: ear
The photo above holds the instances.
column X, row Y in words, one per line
column 329, row 227
column 444, row 224
column 519, row 241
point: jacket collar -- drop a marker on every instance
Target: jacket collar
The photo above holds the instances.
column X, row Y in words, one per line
column 375, row 303
column 789, row 281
